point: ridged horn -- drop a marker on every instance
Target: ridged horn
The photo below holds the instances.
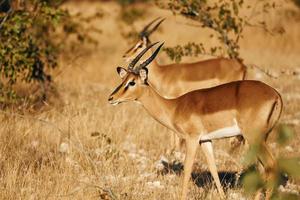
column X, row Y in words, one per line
column 150, row 59
column 138, row 57
column 155, row 27
column 145, row 32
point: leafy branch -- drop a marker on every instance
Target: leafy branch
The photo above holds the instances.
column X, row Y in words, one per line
column 33, row 33
column 224, row 18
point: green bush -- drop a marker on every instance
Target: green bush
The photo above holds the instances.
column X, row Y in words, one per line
column 253, row 180
column 223, row 18
column 128, row 2
column 31, row 34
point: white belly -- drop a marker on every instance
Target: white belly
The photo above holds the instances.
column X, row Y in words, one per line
column 225, row 132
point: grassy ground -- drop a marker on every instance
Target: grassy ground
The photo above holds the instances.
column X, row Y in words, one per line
column 80, row 147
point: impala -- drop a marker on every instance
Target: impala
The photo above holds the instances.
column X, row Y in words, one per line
column 247, row 108
column 174, row 80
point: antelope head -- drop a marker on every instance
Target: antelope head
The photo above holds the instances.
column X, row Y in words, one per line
column 143, row 40
column 134, row 79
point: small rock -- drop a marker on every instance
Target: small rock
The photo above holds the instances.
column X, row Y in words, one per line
column 133, row 155
column 287, row 190
column 159, row 166
column 289, row 149
column 164, row 159
column 147, row 175
column 129, row 146
column 179, row 156
column 235, row 195
column 35, row 144
column 64, row 148
column 154, row 185
column 98, row 151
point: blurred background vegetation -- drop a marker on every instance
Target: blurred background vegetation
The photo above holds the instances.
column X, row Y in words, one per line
column 297, row 2
column 288, row 168
column 33, row 33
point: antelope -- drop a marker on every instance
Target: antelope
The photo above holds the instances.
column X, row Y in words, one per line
column 248, row 108
column 176, row 79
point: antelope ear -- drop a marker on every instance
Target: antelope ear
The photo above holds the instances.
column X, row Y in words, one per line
column 144, row 74
column 122, row 72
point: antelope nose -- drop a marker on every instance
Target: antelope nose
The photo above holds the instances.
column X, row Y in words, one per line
column 110, row 98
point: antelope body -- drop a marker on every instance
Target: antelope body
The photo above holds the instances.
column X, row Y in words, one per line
column 174, row 80
column 247, row 108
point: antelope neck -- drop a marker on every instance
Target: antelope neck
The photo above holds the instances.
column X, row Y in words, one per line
column 158, row 107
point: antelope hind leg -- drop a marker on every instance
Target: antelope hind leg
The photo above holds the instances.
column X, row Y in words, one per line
column 177, row 143
column 207, row 148
column 270, row 167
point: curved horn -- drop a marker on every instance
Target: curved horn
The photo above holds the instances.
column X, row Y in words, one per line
column 149, row 60
column 145, row 31
column 138, row 57
column 155, row 27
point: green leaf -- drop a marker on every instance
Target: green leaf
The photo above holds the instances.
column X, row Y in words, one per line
column 252, row 181
column 251, row 155
column 235, row 7
column 291, row 166
column 286, row 196
column 285, row 134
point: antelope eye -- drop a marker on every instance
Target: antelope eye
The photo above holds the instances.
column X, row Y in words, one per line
column 140, row 46
column 132, row 83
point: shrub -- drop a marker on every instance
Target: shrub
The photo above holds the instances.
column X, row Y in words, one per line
column 31, row 34
column 253, row 180
column 224, row 18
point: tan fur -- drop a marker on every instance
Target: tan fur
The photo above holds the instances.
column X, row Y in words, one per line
column 202, row 111
column 174, row 80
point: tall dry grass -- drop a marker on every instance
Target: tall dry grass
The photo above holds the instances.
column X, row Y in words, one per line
column 84, row 148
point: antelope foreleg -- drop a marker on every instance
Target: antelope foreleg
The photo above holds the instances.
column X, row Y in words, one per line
column 191, row 149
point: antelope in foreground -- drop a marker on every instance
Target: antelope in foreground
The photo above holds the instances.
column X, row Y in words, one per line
column 247, row 108
column 174, row 80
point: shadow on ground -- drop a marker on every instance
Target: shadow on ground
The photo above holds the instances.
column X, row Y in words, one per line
column 229, row 179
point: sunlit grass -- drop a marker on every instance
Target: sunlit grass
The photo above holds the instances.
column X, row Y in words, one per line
column 84, row 148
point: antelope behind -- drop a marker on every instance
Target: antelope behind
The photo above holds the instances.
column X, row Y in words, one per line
column 247, row 108
column 176, row 79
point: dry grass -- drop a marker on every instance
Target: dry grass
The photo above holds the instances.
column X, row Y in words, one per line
column 85, row 148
